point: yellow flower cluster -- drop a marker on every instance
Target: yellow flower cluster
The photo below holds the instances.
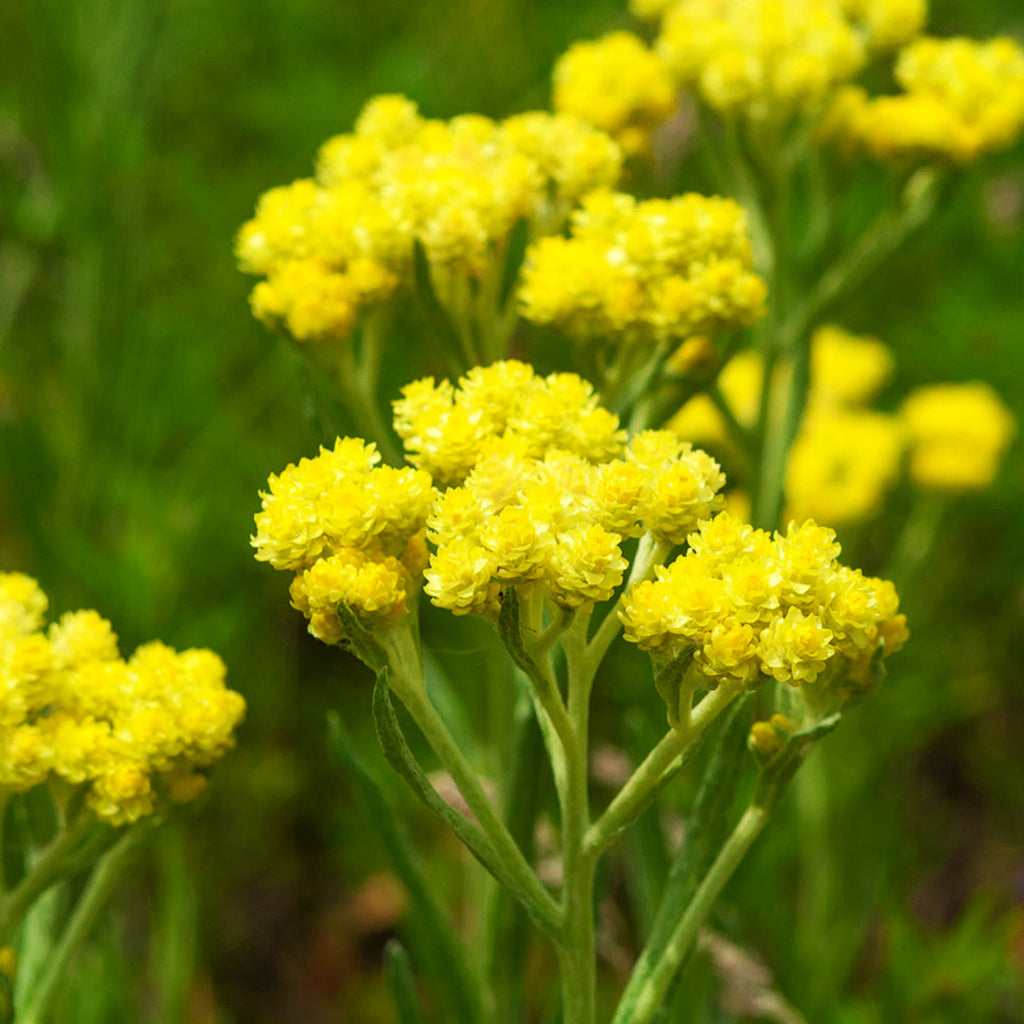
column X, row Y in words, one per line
column 352, row 532
column 557, row 521
column 888, row 23
column 503, row 409
column 644, row 271
column 332, row 247
column 961, row 98
column 132, row 731
column 751, row 606
column 542, row 491
column 617, row 84
column 761, row 58
column 845, row 457
column 958, row 434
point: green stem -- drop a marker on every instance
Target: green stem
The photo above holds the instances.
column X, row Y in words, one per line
column 634, row 795
column 652, row 995
column 47, row 869
column 578, row 958
column 430, row 723
column 98, row 891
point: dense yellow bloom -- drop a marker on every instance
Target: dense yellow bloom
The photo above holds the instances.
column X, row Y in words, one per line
column 644, row 271
column 503, row 409
column 557, row 520
column 847, row 369
column 750, row 606
column 334, row 247
column 958, row 435
column 542, row 490
column 961, row 98
column 70, row 707
column 617, row 84
column 761, row 57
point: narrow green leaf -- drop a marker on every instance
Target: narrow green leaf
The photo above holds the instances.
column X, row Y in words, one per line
column 510, row 631
column 401, row 758
column 400, row 984
column 668, row 680
column 439, row 948
column 515, row 250
column 360, row 641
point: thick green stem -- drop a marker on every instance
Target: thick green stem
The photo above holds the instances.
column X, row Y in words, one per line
column 97, row 892
column 48, row 868
column 654, row 990
column 634, row 795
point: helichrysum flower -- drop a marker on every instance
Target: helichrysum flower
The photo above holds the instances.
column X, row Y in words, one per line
column 71, row 708
column 750, row 606
column 617, row 84
column 333, row 247
column 761, row 57
column 961, row 99
column 958, row 434
column 542, row 491
column 644, row 271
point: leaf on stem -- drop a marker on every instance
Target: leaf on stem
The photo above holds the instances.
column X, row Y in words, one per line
column 436, row 941
column 401, row 758
column 668, row 679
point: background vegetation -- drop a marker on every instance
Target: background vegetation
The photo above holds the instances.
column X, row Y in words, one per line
column 141, row 408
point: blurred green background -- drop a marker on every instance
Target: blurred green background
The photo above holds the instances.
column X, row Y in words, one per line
column 141, row 409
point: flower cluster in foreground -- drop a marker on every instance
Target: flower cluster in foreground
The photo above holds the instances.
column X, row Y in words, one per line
column 645, row 271
column 72, row 710
column 334, row 247
column 525, row 481
column 749, row 606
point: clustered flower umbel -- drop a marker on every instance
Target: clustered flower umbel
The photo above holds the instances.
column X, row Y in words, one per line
column 960, row 99
column 541, row 490
column 335, row 246
column 72, row 710
column 748, row 606
column 526, row 481
column 645, row 271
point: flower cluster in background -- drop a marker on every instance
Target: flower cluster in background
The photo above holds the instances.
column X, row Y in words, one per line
column 72, row 710
column 334, row 247
column 644, row 272
column 847, row 456
column 618, row 84
column 960, row 99
column 958, row 435
column 761, row 57
column 750, row 606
